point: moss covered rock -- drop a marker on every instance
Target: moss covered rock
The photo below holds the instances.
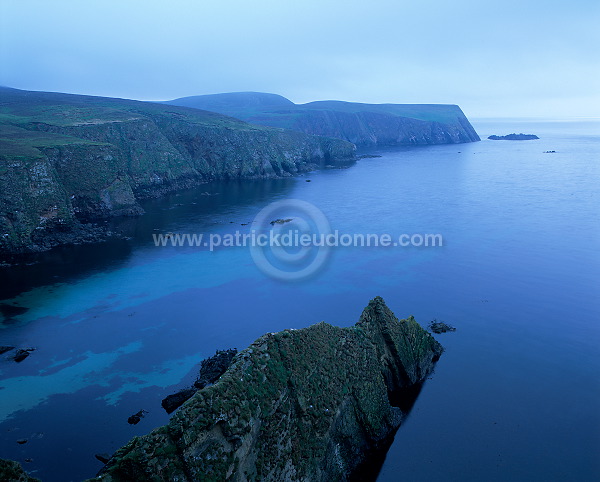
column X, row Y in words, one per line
column 11, row 471
column 306, row 404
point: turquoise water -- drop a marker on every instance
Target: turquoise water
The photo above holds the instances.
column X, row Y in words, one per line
column 118, row 326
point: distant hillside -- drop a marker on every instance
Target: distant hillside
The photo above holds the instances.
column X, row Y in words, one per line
column 68, row 160
column 361, row 124
column 235, row 102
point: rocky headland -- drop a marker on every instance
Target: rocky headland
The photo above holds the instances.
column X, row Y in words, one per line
column 70, row 161
column 307, row 404
column 365, row 125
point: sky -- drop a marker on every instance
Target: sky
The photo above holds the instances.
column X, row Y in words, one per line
column 494, row 59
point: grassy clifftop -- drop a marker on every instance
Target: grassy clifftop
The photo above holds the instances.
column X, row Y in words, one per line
column 67, row 160
column 362, row 124
column 302, row 404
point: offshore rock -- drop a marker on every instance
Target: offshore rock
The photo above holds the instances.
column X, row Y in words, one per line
column 136, row 417
column 440, row 327
column 306, row 404
column 514, row 137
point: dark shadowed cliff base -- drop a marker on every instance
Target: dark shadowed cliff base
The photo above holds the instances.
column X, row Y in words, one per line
column 317, row 404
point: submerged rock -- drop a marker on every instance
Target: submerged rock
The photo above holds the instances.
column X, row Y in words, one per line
column 13, row 472
column 440, row 327
column 306, row 404
column 22, row 353
column 11, row 311
column 4, row 349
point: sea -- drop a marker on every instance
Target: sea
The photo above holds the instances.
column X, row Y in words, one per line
column 119, row 325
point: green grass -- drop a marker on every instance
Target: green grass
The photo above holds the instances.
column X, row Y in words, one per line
column 25, row 115
column 22, row 108
column 19, row 143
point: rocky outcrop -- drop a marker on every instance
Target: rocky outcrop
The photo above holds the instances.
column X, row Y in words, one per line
column 213, row 367
column 12, row 471
column 361, row 124
column 306, row 404
column 68, row 161
column 514, row 137
column 439, row 327
column 211, row 370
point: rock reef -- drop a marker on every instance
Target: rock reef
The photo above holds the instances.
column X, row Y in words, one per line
column 307, row 404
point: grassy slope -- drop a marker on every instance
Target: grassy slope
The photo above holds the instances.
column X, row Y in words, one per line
column 21, row 110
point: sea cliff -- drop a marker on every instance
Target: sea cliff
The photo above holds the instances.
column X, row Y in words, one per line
column 11, row 471
column 362, row 124
column 67, row 161
column 307, row 404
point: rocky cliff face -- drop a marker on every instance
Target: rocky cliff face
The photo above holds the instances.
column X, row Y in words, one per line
column 303, row 404
column 361, row 124
column 68, row 160
column 11, row 471
column 384, row 129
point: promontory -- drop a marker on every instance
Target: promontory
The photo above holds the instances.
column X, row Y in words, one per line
column 310, row 404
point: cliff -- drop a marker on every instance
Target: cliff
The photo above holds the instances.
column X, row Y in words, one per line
column 11, row 471
column 361, row 124
column 69, row 160
column 306, row 404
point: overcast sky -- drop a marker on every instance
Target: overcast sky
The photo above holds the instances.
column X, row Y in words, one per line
column 501, row 58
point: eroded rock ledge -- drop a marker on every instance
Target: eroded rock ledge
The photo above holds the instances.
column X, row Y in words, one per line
column 304, row 404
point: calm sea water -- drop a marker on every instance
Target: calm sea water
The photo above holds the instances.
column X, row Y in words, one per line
column 120, row 325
